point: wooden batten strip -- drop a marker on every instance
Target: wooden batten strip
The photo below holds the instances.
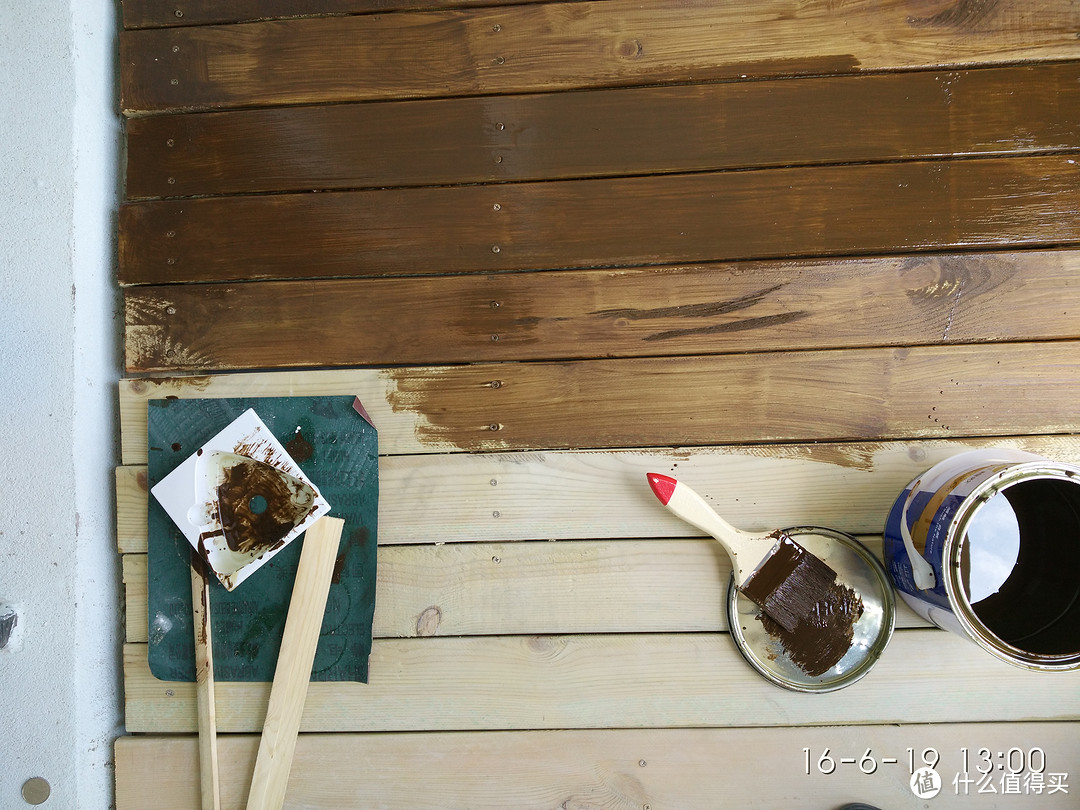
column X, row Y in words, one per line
column 864, row 394
column 577, row 495
column 812, row 211
column 1020, row 109
column 567, row 45
column 615, row 681
column 603, row 768
column 704, row 309
column 478, row 589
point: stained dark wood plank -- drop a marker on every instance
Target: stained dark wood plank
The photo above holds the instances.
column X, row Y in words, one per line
column 573, row 45
column 159, row 14
column 835, row 210
column 753, row 306
column 609, row 132
column 931, row 392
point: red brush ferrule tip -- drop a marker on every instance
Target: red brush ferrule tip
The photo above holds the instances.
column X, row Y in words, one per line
column 663, row 486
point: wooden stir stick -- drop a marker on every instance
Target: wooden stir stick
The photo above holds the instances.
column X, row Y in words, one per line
column 293, row 671
column 204, row 686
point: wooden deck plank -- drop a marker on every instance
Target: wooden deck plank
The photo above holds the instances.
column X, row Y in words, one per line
column 850, row 394
column 155, row 14
column 1016, row 109
column 704, row 309
column 571, row 45
column 570, row 587
column 616, row 681
column 576, row 495
column 810, row 211
column 633, row 768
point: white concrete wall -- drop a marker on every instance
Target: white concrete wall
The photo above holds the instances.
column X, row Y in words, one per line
column 59, row 332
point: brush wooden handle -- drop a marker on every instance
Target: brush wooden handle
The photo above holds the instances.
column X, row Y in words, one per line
column 746, row 550
column 204, row 688
column 293, row 671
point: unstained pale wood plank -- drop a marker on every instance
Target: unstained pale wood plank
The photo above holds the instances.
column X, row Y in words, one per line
column 572, row 45
column 631, row 768
column 468, row 589
column 811, row 211
column 705, row 309
column 616, row 681
column 864, row 394
column 1020, row 109
column 573, row 495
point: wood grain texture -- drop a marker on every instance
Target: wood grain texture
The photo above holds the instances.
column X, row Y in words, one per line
column 624, row 769
column 616, row 681
column 703, row 309
column 857, row 394
column 816, row 211
column 288, row 694
column 573, row 495
column 572, row 45
column 469, row 589
column 904, row 116
column 156, row 14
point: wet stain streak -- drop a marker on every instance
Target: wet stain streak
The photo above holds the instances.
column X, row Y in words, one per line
column 965, row 15
column 733, row 326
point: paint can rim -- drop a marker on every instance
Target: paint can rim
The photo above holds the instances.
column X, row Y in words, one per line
column 951, row 548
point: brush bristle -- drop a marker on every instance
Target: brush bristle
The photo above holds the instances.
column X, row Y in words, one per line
column 791, row 585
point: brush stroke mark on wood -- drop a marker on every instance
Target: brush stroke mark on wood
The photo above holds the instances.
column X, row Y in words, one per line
column 965, row 15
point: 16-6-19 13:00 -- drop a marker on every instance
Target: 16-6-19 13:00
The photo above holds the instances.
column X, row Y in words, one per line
column 981, row 760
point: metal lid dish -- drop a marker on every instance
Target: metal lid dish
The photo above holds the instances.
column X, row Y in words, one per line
column 855, row 567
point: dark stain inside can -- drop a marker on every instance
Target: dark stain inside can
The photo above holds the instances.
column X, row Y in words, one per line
column 823, row 635
column 259, row 505
column 1023, row 547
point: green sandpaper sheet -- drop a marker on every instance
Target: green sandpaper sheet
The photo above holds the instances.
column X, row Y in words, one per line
column 337, row 449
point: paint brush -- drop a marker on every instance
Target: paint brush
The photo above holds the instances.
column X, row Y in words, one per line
column 786, row 581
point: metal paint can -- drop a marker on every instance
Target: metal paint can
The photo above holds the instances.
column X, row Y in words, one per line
column 987, row 544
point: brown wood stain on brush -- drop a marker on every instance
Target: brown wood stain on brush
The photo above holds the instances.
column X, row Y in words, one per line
column 819, row 641
column 804, row 606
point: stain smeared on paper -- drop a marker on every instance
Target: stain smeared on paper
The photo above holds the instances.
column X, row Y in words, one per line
column 259, row 505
